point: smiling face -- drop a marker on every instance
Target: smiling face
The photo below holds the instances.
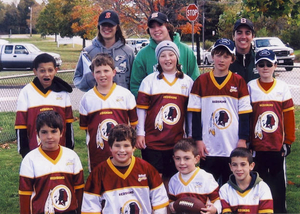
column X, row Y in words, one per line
column 45, row 73
column 241, row 168
column 266, row 70
column 159, row 32
column 104, row 75
column 185, row 162
column 243, row 37
column 122, row 152
column 168, row 61
column 108, row 31
column 49, row 137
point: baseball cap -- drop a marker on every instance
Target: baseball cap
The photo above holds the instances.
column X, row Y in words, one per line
column 265, row 54
column 227, row 43
column 158, row 17
column 109, row 16
column 166, row 46
column 243, row 21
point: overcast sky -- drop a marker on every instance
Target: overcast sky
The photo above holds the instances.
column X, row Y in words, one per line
column 17, row 1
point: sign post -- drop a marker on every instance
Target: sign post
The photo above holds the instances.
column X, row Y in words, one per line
column 192, row 13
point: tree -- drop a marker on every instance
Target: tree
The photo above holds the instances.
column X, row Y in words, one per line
column 11, row 21
column 24, row 13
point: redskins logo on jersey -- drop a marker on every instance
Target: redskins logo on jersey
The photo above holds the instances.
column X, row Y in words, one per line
column 221, row 119
column 169, row 114
column 103, row 131
column 58, row 198
column 267, row 122
column 131, row 207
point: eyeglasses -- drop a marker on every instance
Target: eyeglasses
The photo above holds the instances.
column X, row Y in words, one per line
column 268, row 64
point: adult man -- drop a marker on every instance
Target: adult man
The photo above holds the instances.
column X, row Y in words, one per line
column 109, row 40
column 243, row 34
column 145, row 62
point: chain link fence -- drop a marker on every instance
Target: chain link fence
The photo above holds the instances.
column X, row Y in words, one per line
column 10, row 87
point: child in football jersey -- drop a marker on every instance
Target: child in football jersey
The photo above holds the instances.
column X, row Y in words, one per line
column 273, row 126
column 103, row 107
column 51, row 176
column 245, row 191
column 124, row 183
column 45, row 92
column 191, row 181
column 221, row 106
column 162, row 102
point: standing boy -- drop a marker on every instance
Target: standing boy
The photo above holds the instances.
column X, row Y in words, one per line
column 191, row 181
column 245, row 191
column 51, row 176
column 273, row 126
column 103, row 107
column 124, row 183
column 45, row 92
column 220, row 104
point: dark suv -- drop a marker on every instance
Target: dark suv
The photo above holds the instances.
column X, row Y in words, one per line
column 285, row 55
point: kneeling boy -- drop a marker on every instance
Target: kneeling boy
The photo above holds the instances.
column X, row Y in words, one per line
column 245, row 191
column 124, row 183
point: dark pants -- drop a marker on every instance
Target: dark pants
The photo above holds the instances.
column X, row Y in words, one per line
column 218, row 167
column 271, row 168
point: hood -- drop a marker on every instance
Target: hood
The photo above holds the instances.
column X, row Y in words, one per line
column 98, row 44
column 254, row 181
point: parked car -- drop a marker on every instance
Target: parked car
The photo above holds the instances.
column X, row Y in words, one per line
column 20, row 56
column 285, row 55
column 136, row 43
column 195, row 52
column 207, row 56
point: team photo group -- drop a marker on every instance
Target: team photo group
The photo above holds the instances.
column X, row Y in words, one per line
column 210, row 143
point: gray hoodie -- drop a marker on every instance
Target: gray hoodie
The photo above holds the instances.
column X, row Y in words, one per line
column 123, row 56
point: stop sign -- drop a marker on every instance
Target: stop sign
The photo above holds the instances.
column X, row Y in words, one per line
column 192, row 12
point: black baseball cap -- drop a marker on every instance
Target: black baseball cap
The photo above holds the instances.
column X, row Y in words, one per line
column 243, row 21
column 109, row 16
column 158, row 17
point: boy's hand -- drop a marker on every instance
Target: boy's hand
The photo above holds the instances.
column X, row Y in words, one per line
column 210, row 208
column 172, row 207
column 202, row 149
column 285, row 150
column 140, row 142
column 241, row 143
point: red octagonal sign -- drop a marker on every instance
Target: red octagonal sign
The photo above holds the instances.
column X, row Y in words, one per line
column 192, row 12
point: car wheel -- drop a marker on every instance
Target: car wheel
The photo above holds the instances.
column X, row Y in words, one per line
column 206, row 62
column 289, row 68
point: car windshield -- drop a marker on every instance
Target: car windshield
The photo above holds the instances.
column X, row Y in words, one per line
column 33, row 48
column 269, row 42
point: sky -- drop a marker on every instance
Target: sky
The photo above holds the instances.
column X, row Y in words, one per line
column 17, row 1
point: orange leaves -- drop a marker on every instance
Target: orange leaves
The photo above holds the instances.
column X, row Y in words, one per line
column 187, row 28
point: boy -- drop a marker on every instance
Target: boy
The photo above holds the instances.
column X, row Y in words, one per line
column 220, row 104
column 124, row 183
column 273, row 126
column 51, row 176
column 245, row 191
column 191, row 180
column 45, row 92
column 103, row 107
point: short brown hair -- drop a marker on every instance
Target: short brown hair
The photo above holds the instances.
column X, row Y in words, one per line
column 242, row 152
column 222, row 50
column 102, row 59
column 122, row 132
column 51, row 119
column 186, row 145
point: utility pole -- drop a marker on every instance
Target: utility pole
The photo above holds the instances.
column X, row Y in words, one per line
column 30, row 28
column 203, row 25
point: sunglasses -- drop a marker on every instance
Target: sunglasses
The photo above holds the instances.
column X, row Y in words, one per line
column 268, row 64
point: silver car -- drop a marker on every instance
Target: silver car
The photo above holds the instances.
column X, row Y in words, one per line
column 20, row 56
